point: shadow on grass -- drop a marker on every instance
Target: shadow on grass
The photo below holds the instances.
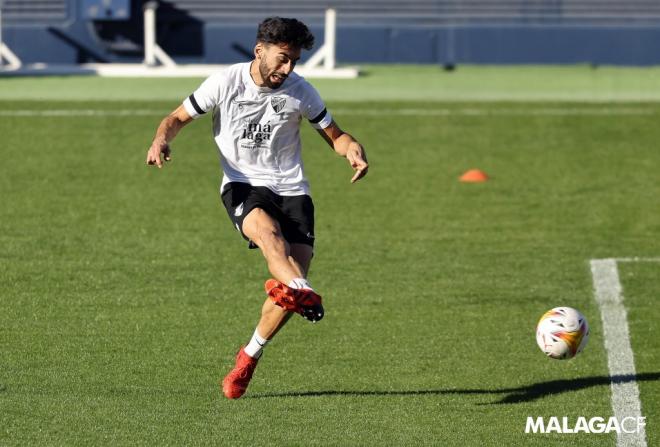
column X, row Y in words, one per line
column 513, row 395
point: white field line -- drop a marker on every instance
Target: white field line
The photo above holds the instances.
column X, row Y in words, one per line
column 421, row 112
column 82, row 112
column 637, row 259
column 620, row 360
column 522, row 111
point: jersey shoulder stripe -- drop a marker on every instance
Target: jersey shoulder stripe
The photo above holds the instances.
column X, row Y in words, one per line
column 317, row 119
column 196, row 106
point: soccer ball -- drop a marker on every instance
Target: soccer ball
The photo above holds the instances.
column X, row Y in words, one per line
column 562, row 333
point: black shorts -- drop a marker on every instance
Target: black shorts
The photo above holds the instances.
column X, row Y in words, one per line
column 295, row 214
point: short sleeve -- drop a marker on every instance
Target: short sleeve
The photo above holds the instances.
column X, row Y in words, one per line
column 314, row 110
column 206, row 97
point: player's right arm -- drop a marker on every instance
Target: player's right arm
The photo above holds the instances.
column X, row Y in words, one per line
column 205, row 98
column 167, row 130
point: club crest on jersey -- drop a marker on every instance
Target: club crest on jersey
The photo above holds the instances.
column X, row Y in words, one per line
column 278, row 103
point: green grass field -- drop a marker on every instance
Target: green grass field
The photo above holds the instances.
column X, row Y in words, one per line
column 125, row 292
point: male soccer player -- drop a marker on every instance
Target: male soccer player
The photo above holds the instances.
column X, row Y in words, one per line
column 257, row 108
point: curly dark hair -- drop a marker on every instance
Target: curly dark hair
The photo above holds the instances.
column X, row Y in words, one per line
column 278, row 30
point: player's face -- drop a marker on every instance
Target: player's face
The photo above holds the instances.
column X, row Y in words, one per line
column 276, row 63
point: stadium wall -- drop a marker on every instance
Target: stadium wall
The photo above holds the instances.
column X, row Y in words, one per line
column 77, row 38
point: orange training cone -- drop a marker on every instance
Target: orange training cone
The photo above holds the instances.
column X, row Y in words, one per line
column 474, row 176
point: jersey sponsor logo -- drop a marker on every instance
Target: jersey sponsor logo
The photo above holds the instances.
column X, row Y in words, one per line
column 257, row 134
column 278, row 103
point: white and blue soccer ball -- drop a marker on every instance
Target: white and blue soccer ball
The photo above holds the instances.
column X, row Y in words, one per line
column 562, row 333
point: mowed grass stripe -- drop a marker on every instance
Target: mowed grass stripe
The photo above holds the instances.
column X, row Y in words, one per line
column 573, row 84
column 640, row 280
column 472, row 111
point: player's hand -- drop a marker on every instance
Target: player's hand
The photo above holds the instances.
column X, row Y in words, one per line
column 154, row 152
column 358, row 160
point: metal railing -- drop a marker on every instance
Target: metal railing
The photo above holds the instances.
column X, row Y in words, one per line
column 13, row 62
column 36, row 10
column 433, row 11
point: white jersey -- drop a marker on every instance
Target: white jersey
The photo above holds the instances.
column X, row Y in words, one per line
column 257, row 129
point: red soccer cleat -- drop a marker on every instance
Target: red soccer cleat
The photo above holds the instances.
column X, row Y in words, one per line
column 306, row 302
column 236, row 382
column 281, row 294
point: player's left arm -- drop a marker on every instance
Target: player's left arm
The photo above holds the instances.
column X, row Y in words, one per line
column 345, row 145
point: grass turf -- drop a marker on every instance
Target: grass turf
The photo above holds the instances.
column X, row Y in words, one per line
column 125, row 291
column 384, row 82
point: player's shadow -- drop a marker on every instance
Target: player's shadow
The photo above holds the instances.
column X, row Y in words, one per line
column 543, row 389
column 512, row 395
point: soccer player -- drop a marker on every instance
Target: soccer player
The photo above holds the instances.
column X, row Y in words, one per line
column 257, row 108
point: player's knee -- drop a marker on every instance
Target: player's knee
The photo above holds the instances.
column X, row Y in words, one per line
column 271, row 240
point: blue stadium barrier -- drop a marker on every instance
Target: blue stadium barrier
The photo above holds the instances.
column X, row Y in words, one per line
column 419, row 31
